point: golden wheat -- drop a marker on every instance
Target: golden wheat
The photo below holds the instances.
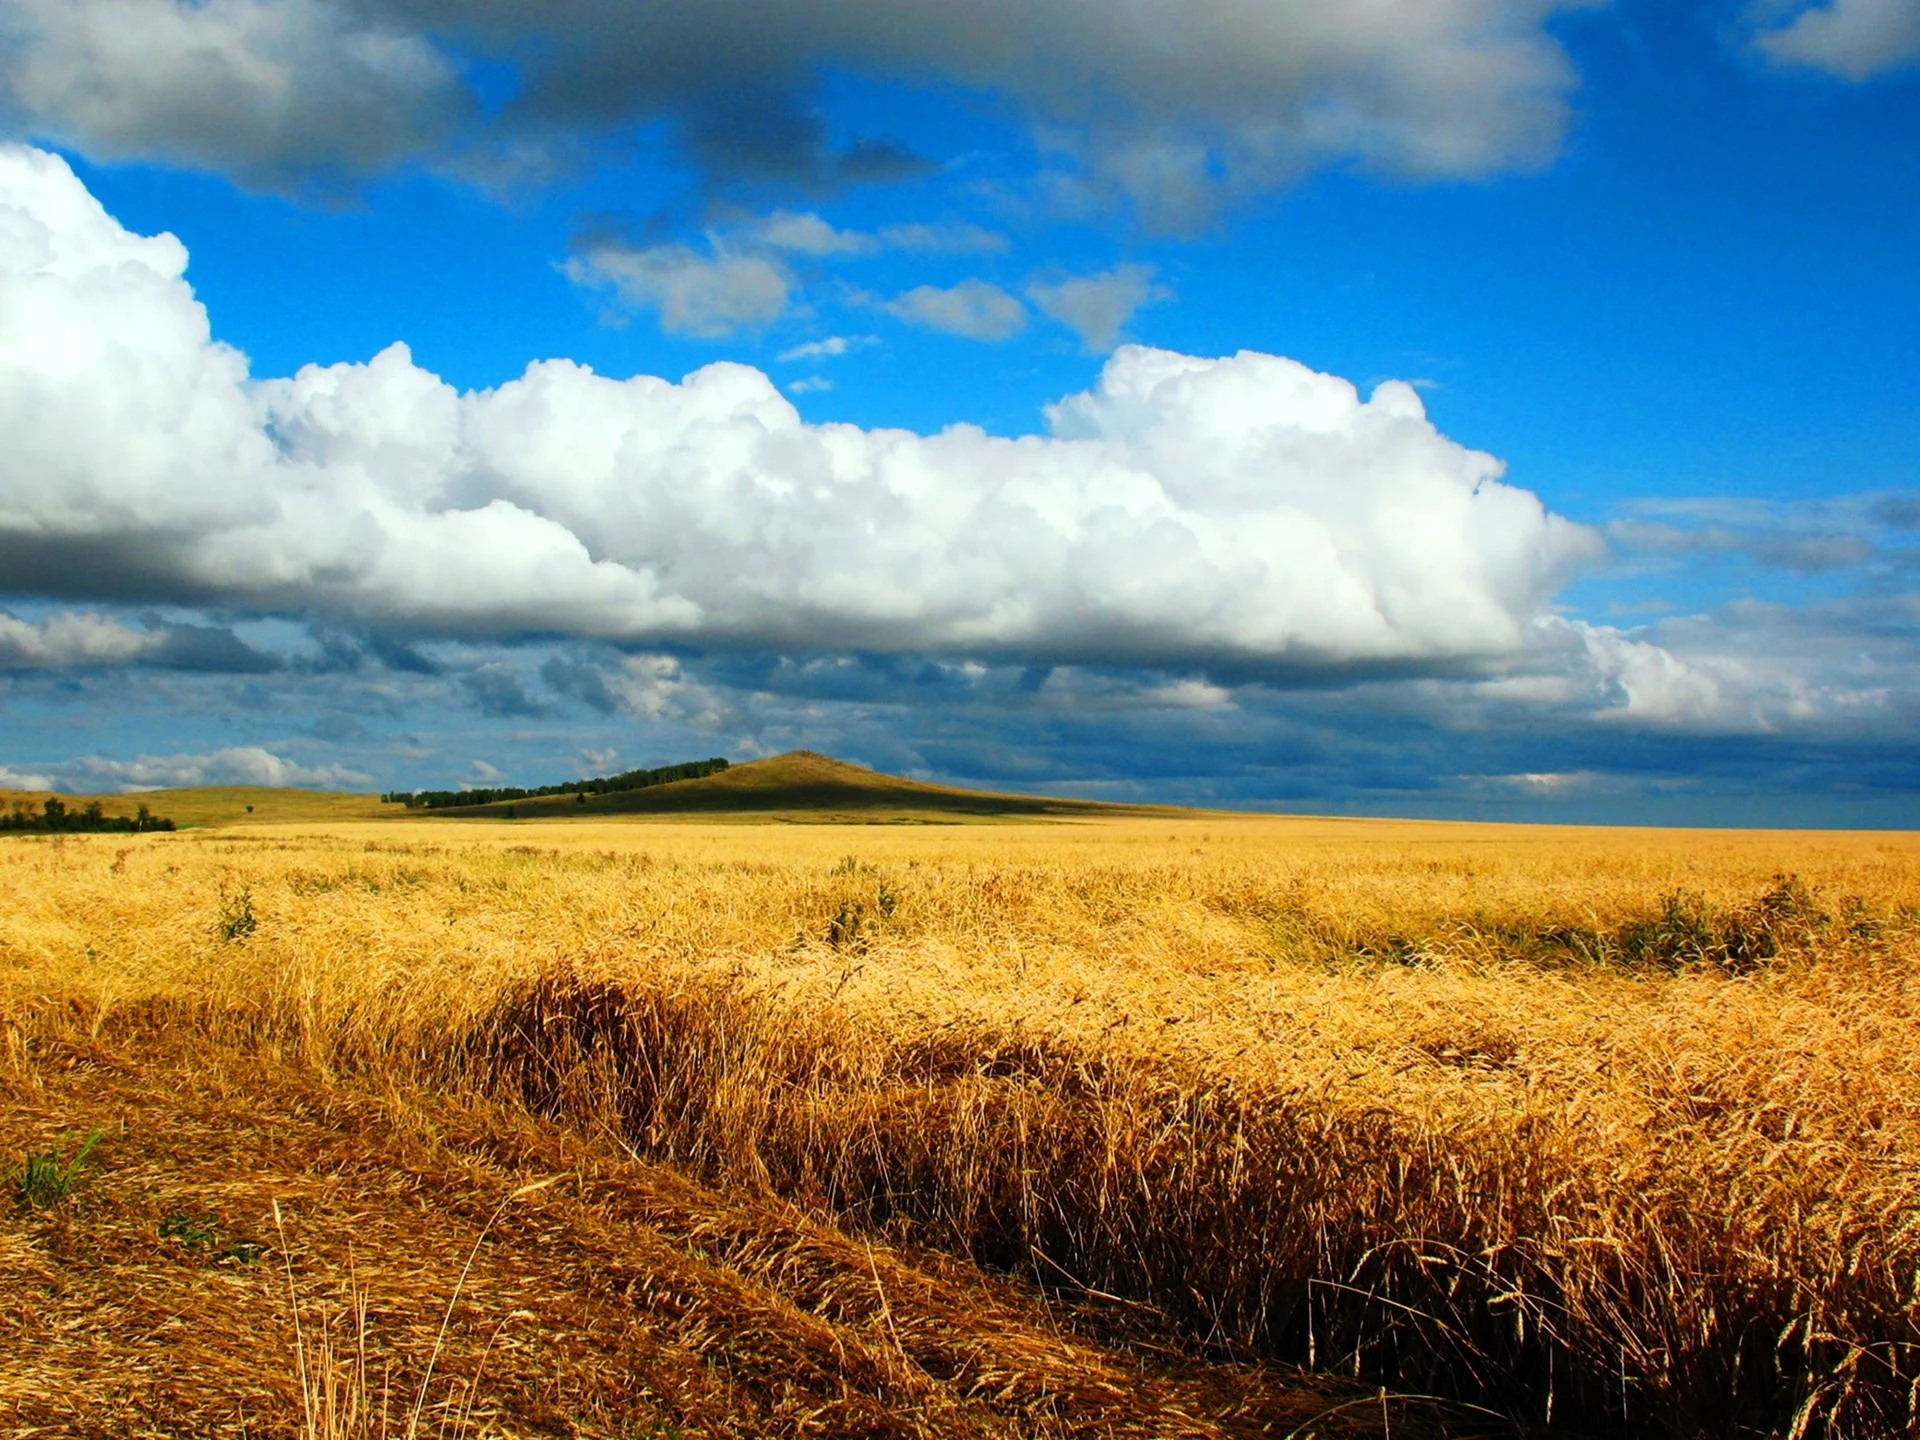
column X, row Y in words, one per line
column 1622, row 1126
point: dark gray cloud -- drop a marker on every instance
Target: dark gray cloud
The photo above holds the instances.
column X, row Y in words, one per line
column 339, row 729
column 1900, row 512
column 1772, row 545
column 336, row 651
column 211, row 648
column 1456, row 748
column 586, row 683
column 769, row 133
column 152, row 569
column 1168, row 104
column 1805, row 536
column 276, row 93
column 498, row 692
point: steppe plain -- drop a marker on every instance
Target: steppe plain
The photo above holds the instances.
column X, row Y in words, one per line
column 1075, row 1125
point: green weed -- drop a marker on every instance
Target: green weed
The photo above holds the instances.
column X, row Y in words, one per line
column 204, row 1235
column 237, row 920
column 845, row 924
column 43, row 1181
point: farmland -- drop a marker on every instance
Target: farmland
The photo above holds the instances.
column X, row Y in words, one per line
column 1147, row 1125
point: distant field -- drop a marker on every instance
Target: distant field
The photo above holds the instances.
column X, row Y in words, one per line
column 226, row 804
column 1087, row 1129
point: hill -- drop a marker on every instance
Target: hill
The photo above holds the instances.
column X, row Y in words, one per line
column 803, row 785
column 800, row 786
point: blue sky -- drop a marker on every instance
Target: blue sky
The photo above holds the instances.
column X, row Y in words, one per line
column 1460, row 408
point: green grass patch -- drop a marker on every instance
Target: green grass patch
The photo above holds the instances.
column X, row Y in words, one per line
column 43, row 1181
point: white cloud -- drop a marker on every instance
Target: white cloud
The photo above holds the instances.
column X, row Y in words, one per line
column 742, row 277
column 655, row 686
column 1098, row 307
column 1747, row 667
column 1183, row 512
column 1613, row 674
column 237, row 765
column 1068, row 688
column 1854, row 39
column 974, row 309
column 830, row 348
column 73, row 639
column 807, row 234
column 264, row 89
column 809, row 384
column 1548, row 782
column 1648, row 683
column 958, row 239
column 24, row 780
column 708, row 295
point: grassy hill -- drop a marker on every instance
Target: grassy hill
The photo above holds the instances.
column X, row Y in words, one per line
column 804, row 786
column 801, row 786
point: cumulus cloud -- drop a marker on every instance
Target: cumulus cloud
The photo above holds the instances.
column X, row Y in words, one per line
column 1184, row 512
column 89, row 640
column 237, row 765
column 1853, row 39
column 653, row 687
column 1164, row 101
column 71, row 639
column 266, row 90
column 1098, row 307
column 1749, row 667
column 710, row 295
column 1642, row 681
column 974, row 309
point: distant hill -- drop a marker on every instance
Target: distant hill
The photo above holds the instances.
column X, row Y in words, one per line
column 799, row 786
column 802, row 785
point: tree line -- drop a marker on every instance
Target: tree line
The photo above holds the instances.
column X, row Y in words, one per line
column 603, row 785
column 53, row 817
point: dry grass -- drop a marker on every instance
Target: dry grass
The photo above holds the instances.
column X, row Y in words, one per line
column 1617, row 1125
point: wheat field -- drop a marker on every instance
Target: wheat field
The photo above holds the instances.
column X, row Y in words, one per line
column 1616, row 1129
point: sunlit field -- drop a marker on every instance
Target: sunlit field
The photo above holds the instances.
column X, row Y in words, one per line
column 1612, row 1129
